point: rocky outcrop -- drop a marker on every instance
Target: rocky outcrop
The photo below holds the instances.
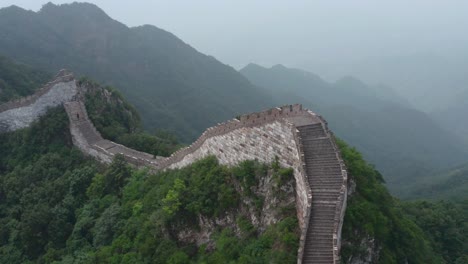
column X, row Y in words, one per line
column 297, row 137
column 275, row 199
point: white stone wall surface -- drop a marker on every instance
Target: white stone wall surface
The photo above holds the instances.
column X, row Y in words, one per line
column 262, row 143
column 22, row 117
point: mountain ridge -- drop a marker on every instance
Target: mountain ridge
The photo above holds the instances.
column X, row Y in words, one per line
column 171, row 84
column 401, row 141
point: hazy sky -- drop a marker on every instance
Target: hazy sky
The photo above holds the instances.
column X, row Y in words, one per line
column 318, row 33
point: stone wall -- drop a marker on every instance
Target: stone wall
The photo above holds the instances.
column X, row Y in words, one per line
column 262, row 136
column 21, row 113
column 263, row 143
column 342, row 199
column 89, row 140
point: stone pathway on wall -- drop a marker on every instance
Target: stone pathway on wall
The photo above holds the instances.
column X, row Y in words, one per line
column 324, row 171
column 89, row 140
column 297, row 135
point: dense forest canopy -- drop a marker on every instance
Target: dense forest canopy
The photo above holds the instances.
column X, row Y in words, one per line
column 60, row 206
column 19, row 80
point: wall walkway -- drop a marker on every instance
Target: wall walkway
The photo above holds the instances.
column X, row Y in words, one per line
column 298, row 137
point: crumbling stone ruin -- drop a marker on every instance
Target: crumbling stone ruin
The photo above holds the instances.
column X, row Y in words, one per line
column 299, row 138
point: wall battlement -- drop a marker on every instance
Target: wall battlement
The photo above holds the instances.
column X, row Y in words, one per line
column 284, row 132
column 278, row 114
column 21, row 113
column 62, row 76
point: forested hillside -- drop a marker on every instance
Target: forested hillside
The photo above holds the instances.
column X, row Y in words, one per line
column 18, row 80
column 449, row 185
column 176, row 88
column 405, row 144
column 172, row 85
column 58, row 206
column 454, row 115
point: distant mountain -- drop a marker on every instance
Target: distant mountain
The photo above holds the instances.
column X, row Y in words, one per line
column 429, row 81
column 455, row 115
column 405, row 144
column 172, row 85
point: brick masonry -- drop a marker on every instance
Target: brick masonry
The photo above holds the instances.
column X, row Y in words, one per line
column 262, row 136
column 21, row 113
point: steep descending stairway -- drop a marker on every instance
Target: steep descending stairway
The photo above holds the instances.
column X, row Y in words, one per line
column 79, row 116
column 325, row 179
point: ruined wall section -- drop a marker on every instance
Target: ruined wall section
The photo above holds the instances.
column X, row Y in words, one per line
column 21, row 113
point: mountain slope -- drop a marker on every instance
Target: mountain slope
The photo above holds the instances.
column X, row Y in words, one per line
column 171, row 84
column 450, row 185
column 403, row 143
column 428, row 80
column 454, row 115
column 57, row 206
column 18, row 80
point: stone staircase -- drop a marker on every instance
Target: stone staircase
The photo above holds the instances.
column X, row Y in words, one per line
column 79, row 117
column 325, row 178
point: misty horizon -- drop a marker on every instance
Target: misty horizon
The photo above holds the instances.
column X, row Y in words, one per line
column 300, row 34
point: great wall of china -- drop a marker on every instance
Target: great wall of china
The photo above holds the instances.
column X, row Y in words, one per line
column 298, row 137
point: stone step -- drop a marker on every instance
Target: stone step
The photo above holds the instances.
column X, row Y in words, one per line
column 329, row 198
column 325, row 178
column 325, row 171
column 318, row 255
column 328, row 179
column 331, row 172
column 333, row 186
column 324, row 233
column 313, row 133
column 319, row 248
column 328, row 217
column 325, row 189
column 314, row 151
column 318, row 260
column 313, row 146
column 320, row 189
column 314, row 157
column 325, row 165
column 324, row 226
column 324, row 215
column 321, row 159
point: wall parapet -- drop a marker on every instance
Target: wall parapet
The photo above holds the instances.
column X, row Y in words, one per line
column 285, row 120
column 342, row 198
column 249, row 120
column 62, row 76
column 303, row 171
